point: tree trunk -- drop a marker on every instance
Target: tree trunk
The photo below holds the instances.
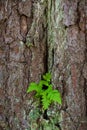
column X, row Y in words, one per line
column 68, row 48
column 37, row 36
column 23, row 58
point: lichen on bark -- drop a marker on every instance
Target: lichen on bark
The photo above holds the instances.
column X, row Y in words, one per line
column 67, row 31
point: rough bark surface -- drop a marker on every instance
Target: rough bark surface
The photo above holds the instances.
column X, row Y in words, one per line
column 67, row 39
column 22, row 58
column 37, row 36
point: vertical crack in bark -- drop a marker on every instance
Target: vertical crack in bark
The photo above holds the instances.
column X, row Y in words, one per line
column 85, row 82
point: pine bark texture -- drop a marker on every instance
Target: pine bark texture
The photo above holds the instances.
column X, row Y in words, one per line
column 69, row 65
column 37, row 36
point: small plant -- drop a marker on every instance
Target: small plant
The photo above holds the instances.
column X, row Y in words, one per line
column 45, row 92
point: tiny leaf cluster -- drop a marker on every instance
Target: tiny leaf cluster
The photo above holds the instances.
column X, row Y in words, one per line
column 45, row 92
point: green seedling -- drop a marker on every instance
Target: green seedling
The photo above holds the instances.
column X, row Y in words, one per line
column 45, row 92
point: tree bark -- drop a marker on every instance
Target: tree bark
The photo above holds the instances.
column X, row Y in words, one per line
column 67, row 40
column 23, row 58
column 37, row 36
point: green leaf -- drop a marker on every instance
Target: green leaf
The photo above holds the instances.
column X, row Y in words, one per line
column 32, row 87
column 43, row 82
column 49, row 89
column 45, row 102
column 55, row 96
column 47, row 77
column 58, row 99
column 44, row 92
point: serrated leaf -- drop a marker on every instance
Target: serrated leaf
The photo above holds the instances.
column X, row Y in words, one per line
column 45, row 92
column 49, row 89
column 50, row 95
column 57, row 98
column 45, row 102
column 43, row 82
column 32, row 87
column 47, row 77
